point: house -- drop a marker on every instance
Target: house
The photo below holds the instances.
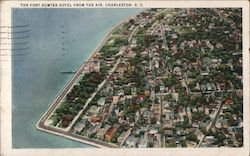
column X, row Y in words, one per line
column 133, row 90
column 155, row 108
column 115, row 99
column 167, row 114
column 200, row 109
column 174, row 36
column 101, row 101
column 111, row 108
column 66, row 120
column 156, row 63
column 93, row 130
column 209, row 87
column 102, row 131
column 238, row 132
column 191, row 144
column 151, row 82
column 80, row 125
column 207, row 111
column 92, row 110
column 239, row 93
column 194, row 109
column 175, row 96
column 148, row 114
column 197, row 87
column 122, row 138
column 120, row 68
column 120, row 92
column 228, row 101
column 143, row 141
column 95, row 119
column 133, row 42
column 144, row 53
column 221, row 123
column 195, row 125
column 132, row 141
column 189, row 112
column 209, row 139
column 168, row 132
column 131, row 54
column 109, row 61
column 162, row 88
column 91, row 66
column 203, row 88
column 240, row 122
column 110, row 134
column 157, row 140
column 153, row 130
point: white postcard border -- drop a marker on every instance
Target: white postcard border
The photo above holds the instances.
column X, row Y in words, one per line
column 5, row 69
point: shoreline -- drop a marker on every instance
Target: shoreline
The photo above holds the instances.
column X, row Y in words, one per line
column 80, row 139
column 40, row 125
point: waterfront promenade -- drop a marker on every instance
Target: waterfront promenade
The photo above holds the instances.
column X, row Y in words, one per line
column 66, row 132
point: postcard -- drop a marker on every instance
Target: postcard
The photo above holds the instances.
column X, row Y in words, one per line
column 124, row 78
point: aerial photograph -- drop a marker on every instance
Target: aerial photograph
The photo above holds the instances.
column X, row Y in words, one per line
column 152, row 78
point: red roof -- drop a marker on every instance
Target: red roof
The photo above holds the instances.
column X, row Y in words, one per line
column 111, row 131
column 229, row 101
column 141, row 97
column 94, row 119
column 110, row 98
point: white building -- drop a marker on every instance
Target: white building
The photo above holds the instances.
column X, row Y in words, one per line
column 121, row 139
column 102, row 131
column 143, row 141
column 131, row 141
